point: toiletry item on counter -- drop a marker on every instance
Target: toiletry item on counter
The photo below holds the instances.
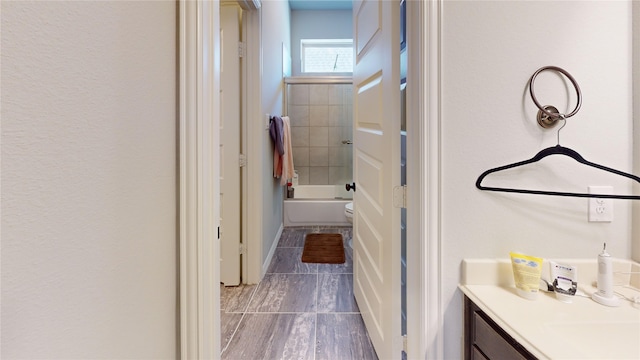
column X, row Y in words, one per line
column 565, row 281
column 526, row 273
column 605, row 295
column 545, row 286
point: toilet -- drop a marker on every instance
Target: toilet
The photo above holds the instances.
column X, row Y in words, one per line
column 348, row 212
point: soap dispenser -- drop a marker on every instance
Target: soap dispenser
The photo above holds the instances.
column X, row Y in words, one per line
column 605, row 295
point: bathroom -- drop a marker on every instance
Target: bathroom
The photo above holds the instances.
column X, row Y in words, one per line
column 320, row 110
column 497, row 125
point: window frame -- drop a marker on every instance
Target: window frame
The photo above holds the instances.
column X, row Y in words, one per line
column 324, row 43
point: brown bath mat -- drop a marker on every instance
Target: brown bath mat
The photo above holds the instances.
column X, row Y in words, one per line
column 323, row 249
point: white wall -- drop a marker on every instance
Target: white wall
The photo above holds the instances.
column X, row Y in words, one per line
column 275, row 32
column 489, row 51
column 317, row 24
column 89, row 180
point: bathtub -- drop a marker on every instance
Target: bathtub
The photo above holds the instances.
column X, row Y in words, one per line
column 316, row 205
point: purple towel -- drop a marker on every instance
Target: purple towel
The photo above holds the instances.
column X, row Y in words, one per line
column 276, row 130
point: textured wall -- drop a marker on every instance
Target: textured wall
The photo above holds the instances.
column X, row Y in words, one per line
column 489, row 51
column 89, row 180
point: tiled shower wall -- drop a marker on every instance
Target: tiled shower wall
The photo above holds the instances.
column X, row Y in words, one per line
column 321, row 118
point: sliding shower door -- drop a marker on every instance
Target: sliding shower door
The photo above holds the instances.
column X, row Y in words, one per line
column 320, row 110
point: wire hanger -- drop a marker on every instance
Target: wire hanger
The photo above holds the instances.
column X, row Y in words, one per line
column 548, row 117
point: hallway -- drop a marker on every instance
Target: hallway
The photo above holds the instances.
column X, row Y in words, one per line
column 298, row 311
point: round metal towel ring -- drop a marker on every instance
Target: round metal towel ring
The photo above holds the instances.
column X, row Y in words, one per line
column 548, row 115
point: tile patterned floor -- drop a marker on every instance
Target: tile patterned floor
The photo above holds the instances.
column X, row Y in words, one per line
column 298, row 311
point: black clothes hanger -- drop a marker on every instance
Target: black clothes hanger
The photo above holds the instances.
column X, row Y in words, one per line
column 557, row 150
column 551, row 116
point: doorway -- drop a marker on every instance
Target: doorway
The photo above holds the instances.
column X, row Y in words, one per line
column 198, row 321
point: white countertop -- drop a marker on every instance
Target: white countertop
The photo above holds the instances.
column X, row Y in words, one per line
column 551, row 329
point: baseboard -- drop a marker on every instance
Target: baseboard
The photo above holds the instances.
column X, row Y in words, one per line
column 274, row 245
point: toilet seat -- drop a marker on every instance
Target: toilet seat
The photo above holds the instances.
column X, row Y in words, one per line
column 348, row 208
column 348, row 212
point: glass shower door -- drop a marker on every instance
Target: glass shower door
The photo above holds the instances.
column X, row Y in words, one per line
column 341, row 153
column 321, row 113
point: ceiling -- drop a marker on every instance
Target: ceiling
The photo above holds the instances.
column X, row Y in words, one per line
column 320, row 4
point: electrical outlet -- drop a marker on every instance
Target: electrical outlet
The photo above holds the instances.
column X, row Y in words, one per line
column 600, row 210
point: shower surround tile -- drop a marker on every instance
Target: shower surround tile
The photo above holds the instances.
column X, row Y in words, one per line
column 318, row 94
column 318, row 156
column 338, row 175
column 299, row 115
column 299, row 94
column 318, row 115
column 336, row 94
column 336, row 136
column 303, row 174
column 319, row 175
column 301, row 156
column 337, row 156
column 319, row 136
column 299, row 136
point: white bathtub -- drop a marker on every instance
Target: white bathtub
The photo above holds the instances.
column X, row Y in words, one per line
column 316, row 205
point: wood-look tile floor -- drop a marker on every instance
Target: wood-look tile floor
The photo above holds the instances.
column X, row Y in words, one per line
column 298, row 311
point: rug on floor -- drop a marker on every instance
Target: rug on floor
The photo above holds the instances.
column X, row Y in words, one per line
column 323, row 249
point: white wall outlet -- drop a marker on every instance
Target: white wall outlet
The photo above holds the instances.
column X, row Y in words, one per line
column 600, row 210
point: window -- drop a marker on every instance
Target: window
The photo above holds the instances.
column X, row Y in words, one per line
column 327, row 55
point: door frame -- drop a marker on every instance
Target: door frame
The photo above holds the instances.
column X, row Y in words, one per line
column 253, row 132
column 232, row 176
column 199, row 178
column 424, row 291
column 199, row 264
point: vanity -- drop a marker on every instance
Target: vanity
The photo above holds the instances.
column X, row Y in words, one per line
column 499, row 324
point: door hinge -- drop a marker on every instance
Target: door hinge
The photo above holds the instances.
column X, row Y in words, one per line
column 242, row 160
column 404, row 343
column 400, row 196
column 241, row 49
column 242, row 248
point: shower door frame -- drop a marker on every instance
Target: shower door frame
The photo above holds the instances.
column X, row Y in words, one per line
column 313, row 80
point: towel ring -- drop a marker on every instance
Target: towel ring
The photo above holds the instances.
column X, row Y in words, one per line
column 549, row 115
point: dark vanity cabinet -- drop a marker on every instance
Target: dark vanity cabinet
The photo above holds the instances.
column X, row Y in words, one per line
column 484, row 339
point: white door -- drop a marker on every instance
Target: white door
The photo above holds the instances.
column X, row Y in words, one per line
column 230, row 181
column 376, row 128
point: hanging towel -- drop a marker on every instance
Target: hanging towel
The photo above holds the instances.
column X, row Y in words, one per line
column 276, row 130
column 287, row 157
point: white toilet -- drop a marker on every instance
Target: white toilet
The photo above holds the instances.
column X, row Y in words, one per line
column 348, row 212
